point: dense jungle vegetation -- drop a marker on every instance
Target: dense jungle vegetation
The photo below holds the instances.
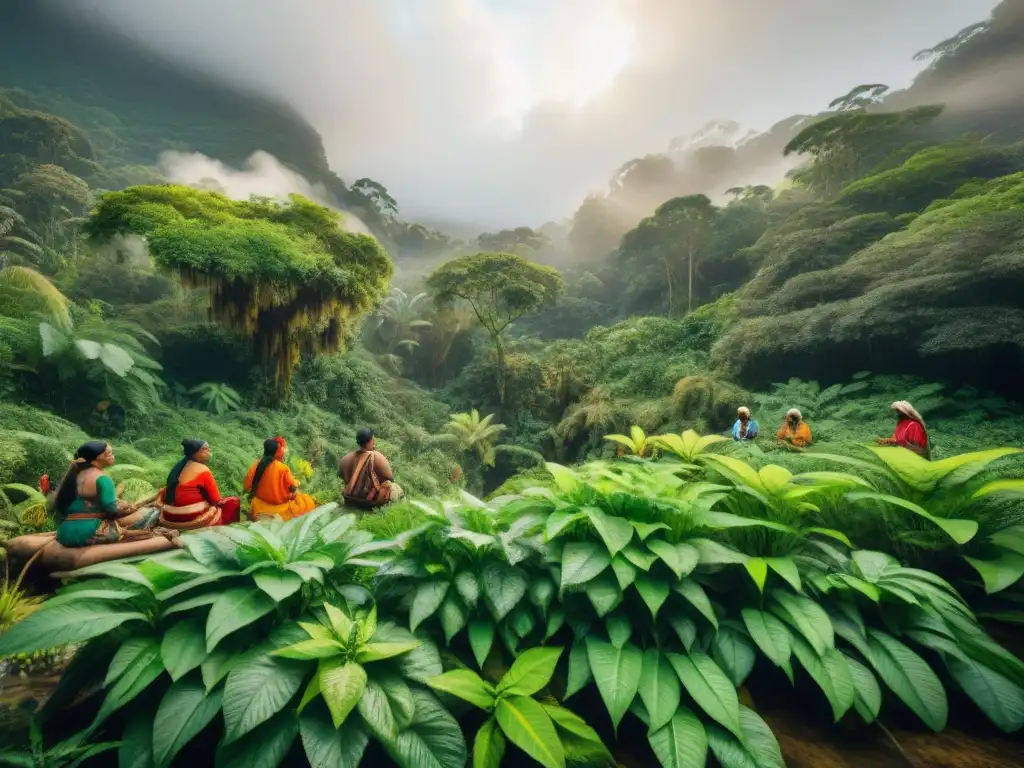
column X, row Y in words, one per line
column 585, row 572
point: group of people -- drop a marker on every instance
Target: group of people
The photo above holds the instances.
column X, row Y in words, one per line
column 89, row 512
column 910, row 432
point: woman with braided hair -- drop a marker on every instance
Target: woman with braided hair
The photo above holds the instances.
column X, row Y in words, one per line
column 191, row 498
column 87, row 507
column 272, row 488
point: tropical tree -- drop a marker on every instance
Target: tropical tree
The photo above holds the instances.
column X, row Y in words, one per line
column 378, row 196
column 859, row 98
column 475, row 435
column 398, row 324
column 521, row 240
column 679, row 230
column 285, row 275
column 499, row 288
column 24, row 289
column 216, row 397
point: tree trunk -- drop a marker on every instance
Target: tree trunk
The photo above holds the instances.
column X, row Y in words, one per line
column 668, row 281
column 689, row 280
column 500, row 350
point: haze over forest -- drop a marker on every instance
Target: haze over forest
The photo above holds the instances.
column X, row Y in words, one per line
column 500, row 113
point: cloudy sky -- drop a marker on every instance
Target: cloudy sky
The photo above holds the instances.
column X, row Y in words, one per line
column 508, row 112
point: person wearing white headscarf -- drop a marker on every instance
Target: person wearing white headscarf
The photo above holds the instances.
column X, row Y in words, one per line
column 794, row 430
column 910, row 432
column 745, row 427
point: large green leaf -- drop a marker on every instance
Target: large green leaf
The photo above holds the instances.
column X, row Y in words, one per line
column 279, row 585
column 258, row 687
column 615, row 532
column 467, row 587
column 681, row 742
column 997, row 697
column 374, row 708
column 734, row 653
column 654, row 592
column 528, row 726
column 530, row 672
column 685, row 630
column 504, row 586
column 999, row 573
column 184, row 712
column 908, row 676
column 233, row 609
column 432, row 740
column 617, row 674
column 265, row 747
column 582, row 561
column 488, row 745
column 680, row 558
column 330, row 747
column 127, row 653
column 807, row 617
column 625, row 571
column 542, row 592
column 867, row 698
column 466, row 685
column 961, row 531
column 787, row 569
column 639, row 557
column 481, row 638
column 830, row 672
column 659, row 689
column 757, row 567
column 341, row 684
column 136, row 749
column 579, row 669
column 145, row 667
column 604, row 593
column 183, row 647
column 770, row 634
column 694, row 593
column 756, row 748
column 452, row 616
column 708, row 685
column 68, row 623
column 427, row 600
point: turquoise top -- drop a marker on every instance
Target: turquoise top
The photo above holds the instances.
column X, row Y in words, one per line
column 79, row 533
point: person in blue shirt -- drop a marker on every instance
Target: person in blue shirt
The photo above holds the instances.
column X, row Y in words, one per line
column 745, row 427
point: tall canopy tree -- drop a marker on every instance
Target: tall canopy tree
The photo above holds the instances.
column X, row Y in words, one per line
column 499, row 288
column 679, row 229
column 285, row 275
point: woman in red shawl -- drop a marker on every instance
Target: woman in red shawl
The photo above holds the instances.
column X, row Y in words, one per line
column 910, row 432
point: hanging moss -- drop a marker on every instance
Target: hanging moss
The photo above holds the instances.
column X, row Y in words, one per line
column 285, row 275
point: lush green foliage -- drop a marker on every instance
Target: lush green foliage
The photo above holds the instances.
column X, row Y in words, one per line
column 285, row 275
column 667, row 582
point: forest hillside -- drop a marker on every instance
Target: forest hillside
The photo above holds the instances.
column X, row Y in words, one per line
column 588, row 569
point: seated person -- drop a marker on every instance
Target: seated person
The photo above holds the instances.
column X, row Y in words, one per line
column 191, row 498
column 794, row 430
column 87, row 507
column 369, row 481
column 272, row 488
column 745, row 427
column 910, row 432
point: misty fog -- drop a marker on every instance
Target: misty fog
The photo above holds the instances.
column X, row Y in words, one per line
column 505, row 113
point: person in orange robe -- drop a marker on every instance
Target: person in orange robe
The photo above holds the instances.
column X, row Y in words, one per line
column 190, row 499
column 272, row 488
column 794, row 430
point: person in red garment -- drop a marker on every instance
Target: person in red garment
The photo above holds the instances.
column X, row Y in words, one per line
column 191, row 498
column 910, row 432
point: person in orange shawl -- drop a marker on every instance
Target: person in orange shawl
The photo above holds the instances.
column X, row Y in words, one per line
column 272, row 488
column 191, row 499
column 794, row 430
column 910, row 432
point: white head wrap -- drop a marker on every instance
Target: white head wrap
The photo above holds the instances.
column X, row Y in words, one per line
column 906, row 409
